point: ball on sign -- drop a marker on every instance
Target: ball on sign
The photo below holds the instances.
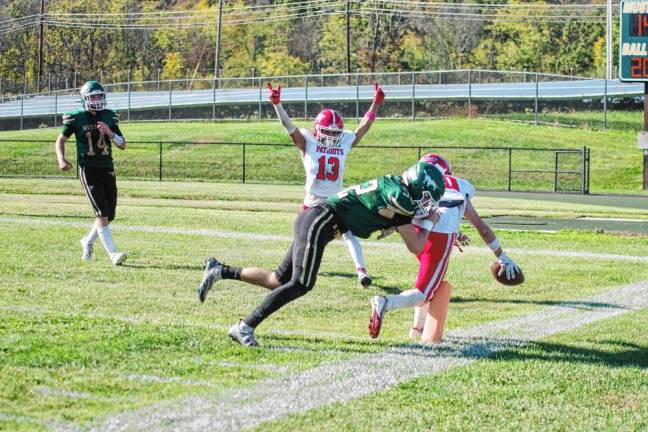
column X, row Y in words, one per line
column 517, row 279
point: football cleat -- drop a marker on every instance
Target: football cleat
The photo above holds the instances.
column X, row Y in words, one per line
column 378, row 305
column 364, row 279
column 118, row 258
column 243, row 334
column 86, row 255
column 212, row 274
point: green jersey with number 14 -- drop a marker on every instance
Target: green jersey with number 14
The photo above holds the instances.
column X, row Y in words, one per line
column 93, row 149
column 359, row 206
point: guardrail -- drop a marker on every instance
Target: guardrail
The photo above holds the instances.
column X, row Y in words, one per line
column 525, row 96
column 489, row 168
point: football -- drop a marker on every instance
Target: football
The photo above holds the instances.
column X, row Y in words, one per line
column 517, row 280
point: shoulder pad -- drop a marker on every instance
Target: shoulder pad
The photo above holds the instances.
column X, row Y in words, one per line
column 70, row 117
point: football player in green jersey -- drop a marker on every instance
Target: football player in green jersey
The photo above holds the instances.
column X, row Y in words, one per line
column 95, row 128
column 378, row 204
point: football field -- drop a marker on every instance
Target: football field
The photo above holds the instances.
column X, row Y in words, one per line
column 89, row 346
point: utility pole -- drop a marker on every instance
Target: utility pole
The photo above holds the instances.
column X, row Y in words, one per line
column 40, row 46
column 608, row 46
column 218, row 37
column 348, row 39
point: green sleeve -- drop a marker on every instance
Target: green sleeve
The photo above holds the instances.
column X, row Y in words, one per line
column 69, row 125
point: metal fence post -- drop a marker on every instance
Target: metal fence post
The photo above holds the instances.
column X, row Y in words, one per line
column 605, row 112
column 357, row 77
column 510, row 167
column 589, row 161
column 1, row 92
column 129, row 95
column 584, row 171
column 305, row 97
column 22, row 111
column 469, row 91
column 537, row 92
column 160, row 168
column 55, row 106
column 556, row 171
column 413, row 95
column 170, row 97
column 214, row 99
column 260, row 99
column 243, row 175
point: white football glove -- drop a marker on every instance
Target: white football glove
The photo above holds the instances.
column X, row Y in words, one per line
column 386, row 232
column 508, row 266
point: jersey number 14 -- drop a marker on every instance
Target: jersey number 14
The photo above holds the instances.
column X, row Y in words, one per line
column 101, row 144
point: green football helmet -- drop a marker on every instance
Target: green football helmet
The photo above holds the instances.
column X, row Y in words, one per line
column 90, row 103
column 425, row 185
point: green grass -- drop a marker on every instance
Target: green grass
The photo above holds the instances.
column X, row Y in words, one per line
column 76, row 339
column 592, row 379
column 616, row 164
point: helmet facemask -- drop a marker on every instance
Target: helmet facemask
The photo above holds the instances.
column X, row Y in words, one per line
column 328, row 136
column 425, row 205
column 94, row 104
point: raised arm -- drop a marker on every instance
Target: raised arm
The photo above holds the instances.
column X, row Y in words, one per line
column 295, row 134
column 486, row 233
column 370, row 116
column 63, row 163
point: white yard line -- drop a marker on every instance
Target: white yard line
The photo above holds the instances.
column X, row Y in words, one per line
column 346, row 380
column 275, row 238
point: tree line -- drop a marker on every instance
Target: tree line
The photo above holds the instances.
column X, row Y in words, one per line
column 285, row 37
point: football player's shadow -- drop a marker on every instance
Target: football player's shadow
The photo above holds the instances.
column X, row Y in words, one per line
column 385, row 289
column 137, row 265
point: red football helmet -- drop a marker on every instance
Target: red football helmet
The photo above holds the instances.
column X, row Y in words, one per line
column 328, row 128
column 439, row 162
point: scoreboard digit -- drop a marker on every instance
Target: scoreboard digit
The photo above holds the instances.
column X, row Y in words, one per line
column 633, row 52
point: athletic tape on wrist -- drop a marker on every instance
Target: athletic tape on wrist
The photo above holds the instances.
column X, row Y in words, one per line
column 426, row 224
column 119, row 140
column 494, row 245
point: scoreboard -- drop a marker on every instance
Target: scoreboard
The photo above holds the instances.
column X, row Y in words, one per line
column 633, row 52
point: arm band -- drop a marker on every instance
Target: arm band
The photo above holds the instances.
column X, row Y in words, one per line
column 425, row 224
column 284, row 119
column 119, row 140
column 370, row 115
column 494, row 245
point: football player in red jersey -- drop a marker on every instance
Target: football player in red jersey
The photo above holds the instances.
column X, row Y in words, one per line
column 431, row 292
column 324, row 151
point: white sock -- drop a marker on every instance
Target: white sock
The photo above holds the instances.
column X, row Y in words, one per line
column 245, row 328
column 409, row 298
column 420, row 314
column 106, row 238
column 92, row 235
column 354, row 249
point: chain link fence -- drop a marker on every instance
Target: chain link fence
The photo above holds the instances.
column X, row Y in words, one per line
column 489, row 168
